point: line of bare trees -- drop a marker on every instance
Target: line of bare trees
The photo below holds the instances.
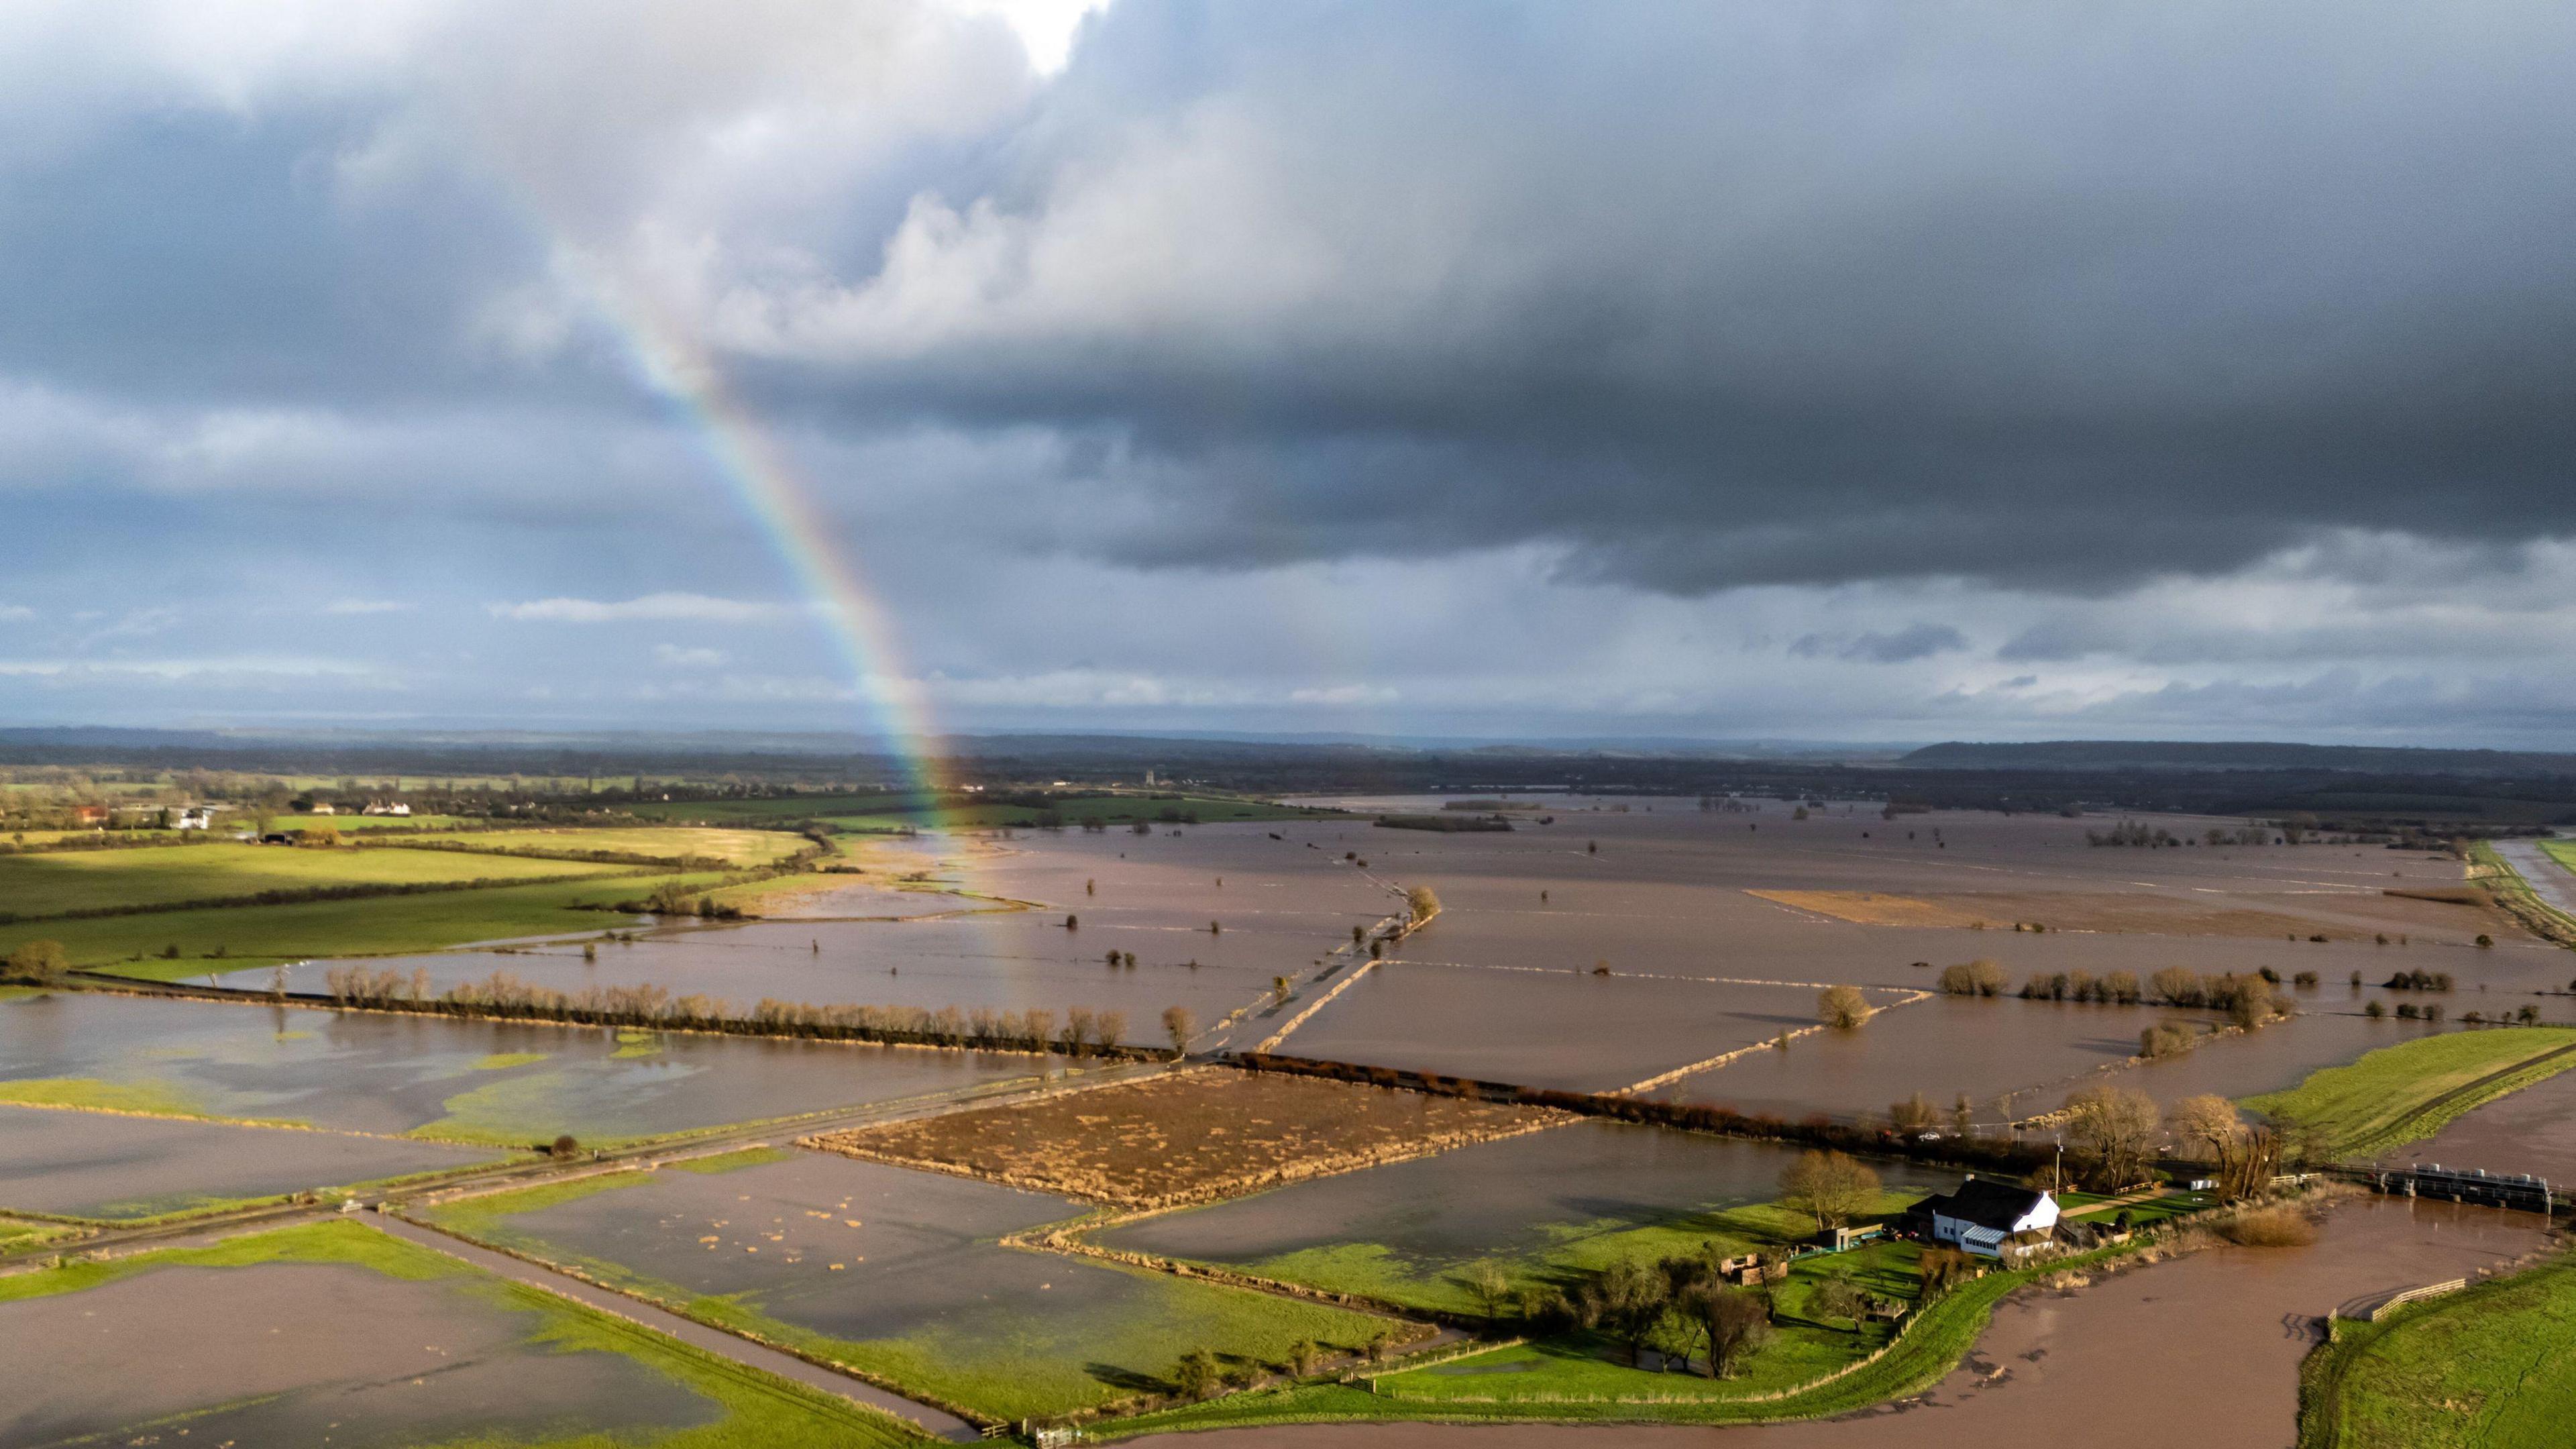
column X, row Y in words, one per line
column 1081, row 1031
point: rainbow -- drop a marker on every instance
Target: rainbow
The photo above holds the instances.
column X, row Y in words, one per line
column 766, row 485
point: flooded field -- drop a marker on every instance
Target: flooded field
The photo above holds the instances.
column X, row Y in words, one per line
column 2533, row 1131
column 308, row 1353
column 99, row 1165
column 1563, row 1029
column 899, row 1274
column 1531, row 1199
column 2003, row 1054
column 1501, row 984
column 1279, row 909
column 1664, row 889
column 2224, row 1330
column 475, row 1080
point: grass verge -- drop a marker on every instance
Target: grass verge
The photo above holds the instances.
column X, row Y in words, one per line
column 2493, row 1366
column 2402, row 1093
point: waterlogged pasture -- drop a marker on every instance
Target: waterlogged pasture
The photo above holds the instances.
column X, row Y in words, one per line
column 56, row 882
column 239, row 938
column 2001, row 1053
column 111, row 1166
column 336, row 1334
column 1016, row 961
column 1562, row 1029
column 1539, row 1206
column 898, row 1274
column 474, row 1081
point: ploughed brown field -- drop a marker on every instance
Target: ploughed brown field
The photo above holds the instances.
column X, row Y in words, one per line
column 1187, row 1136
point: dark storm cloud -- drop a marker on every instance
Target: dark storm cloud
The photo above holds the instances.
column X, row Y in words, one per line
column 1709, row 296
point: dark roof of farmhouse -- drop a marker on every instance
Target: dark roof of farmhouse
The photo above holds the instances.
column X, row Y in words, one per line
column 1984, row 1202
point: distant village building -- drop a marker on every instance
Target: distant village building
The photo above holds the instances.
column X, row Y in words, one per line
column 194, row 817
column 90, row 814
column 325, row 807
column 1989, row 1219
column 384, row 807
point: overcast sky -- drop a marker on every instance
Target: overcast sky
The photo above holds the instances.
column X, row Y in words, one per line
column 1866, row 371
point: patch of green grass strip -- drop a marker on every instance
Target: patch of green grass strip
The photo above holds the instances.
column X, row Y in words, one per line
column 2403, row 1093
column 2492, row 1367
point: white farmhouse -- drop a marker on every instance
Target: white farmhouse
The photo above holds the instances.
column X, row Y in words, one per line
column 1983, row 1216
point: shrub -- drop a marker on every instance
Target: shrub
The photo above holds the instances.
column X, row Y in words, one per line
column 37, row 963
column 2277, row 1226
column 1980, row 977
column 1830, row 1187
column 2167, row 1039
column 1841, row 1007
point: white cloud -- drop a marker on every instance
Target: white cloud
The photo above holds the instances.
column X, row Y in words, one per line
column 684, row 658
column 658, row 607
column 15, row 613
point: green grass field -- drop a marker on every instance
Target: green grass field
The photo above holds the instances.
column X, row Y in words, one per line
column 2490, row 1368
column 256, row 936
column 2402, row 1093
column 82, row 880
column 1934, row 1342
column 735, row 847
column 760, row 1411
column 2561, row 851
column 1001, row 1364
column 1575, row 1250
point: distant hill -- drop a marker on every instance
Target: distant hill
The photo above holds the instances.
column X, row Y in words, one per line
column 2235, row 755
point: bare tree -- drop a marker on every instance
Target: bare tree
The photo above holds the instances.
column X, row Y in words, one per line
column 1830, row 1187
column 2245, row 1154
column 1108, row 1027
column 2114, row 1130
column 1180, row 1026
column 1913, row 1115
column 1421, row 903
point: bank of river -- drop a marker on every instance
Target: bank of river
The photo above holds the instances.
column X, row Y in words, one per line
column 2203, row 1349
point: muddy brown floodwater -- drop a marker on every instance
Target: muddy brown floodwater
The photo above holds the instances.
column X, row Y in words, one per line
column 2533, row 1131
column 2203, row 1350
column 308, row 1354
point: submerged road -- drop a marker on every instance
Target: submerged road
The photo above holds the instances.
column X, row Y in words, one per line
column 2555, row 884
column 696, row 1335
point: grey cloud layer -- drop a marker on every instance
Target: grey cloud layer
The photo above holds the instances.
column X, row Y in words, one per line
column 1944, row 366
